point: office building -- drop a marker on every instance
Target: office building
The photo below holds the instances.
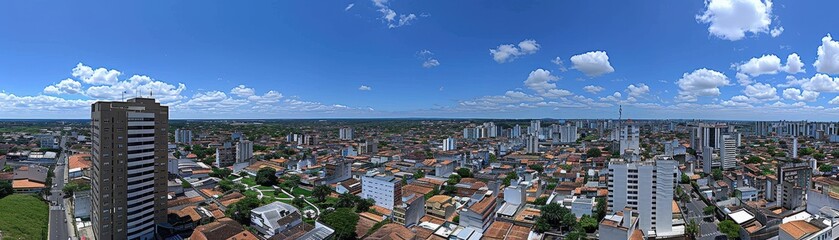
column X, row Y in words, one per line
column 345, row 133
column 386, row 190
column 129, row 153
column 47, row 141
column 793, row 182
column 630, row 184
column 183, row 136
column 449, row 144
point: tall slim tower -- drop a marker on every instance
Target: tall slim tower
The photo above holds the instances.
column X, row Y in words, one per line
column 129, row 168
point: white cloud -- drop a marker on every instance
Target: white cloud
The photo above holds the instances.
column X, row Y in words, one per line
column 731, row 19
column 389, row 15
column 349, row 6
column 242, row 91
column 100, row 76
column 766, row 64
column 637, row 91
column 37, row 105
column 798, row 95
column 66, row 86
column 557, row 93
column 791, row 81
column 743, row 79
column 365, row 88
column 834, row 101
column 794, row 64
column 592, row 89
column 592, row 63
column 138, row 85
column 828, row 60
column 762, row 92
column 560, row 64
column 430, row 63
column 540, row 80
column 775, row 32
column 821, row 83
column 268, row 98
column 508, row 52
column 701, row 82
column 428, row 60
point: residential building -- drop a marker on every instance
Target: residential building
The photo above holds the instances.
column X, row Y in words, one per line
column 449, row 144
column 223, row 229
column 225, row 155
column 30, row 179
column 728, row 152
column 345, row 133
column 630, row 139
column 567, row 133
column 410, row 211
column 129, row 176
column 629, row 185
column 622, row 225
column 441, row 206
column 515, row 132
column 532, row 143
column 183, row 136
column 793, row 182
column 244, row 151
column 479, row 215
column 820, row 226
column 386, row 190
column 274, row 218
column 47, row 141
column 535, row 127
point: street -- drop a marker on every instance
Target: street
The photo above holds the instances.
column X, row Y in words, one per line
column 695, row 207
column 58, row 221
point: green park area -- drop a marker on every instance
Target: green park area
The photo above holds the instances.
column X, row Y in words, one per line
column 23, row 216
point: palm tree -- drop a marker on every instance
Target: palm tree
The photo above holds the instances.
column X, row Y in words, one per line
column 692, row 229
column 321, row 192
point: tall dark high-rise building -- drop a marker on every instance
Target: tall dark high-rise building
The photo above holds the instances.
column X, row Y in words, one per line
column 129, row 168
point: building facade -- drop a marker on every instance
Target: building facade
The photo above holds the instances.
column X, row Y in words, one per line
column 129, row 153
column 646, row 188
column 387, row 191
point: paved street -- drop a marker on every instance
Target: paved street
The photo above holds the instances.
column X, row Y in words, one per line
column 695, row 207
column 58, row 220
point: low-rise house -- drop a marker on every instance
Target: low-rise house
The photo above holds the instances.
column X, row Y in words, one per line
column 352, row 185
column 441, row 206
column 79, row 165
column 223, row 229
column 480, row 214
column 30, row 179
column 410, row 211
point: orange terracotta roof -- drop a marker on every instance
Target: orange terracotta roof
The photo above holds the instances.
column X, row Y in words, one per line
column 799, row 228
column 26, row 184
column 79, row 161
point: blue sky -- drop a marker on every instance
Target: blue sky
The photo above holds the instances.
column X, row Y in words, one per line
column 408, row 58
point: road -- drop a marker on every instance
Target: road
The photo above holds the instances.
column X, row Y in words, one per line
column 58, row 220
column 695, row 211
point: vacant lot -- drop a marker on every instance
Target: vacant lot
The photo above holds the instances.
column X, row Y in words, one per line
column 23, row 216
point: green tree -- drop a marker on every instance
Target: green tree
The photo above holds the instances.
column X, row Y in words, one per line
column 419, row 174
column 594, row 152
column 5, row 188
column 753, row 160
column 819, row 156
column 540, row 201
column 692, row 229
column 537, row 167
column 290, row 182
column 321, row 192
column 729, row 228
column 453, row 179
column 241, row 210
column 600, row 209
column 266, row 176
column 588, row 223
column 346, row 200
column 456, row 219
column 575, row 235
column 364, row 204
column 685, row 179
column 343, row 220
column 221, row 172
column 806, row 151
column 717, row 174
column 464, row 172
column 298, row 201
column 542, row 225
column 826, row 168
column 709, row 210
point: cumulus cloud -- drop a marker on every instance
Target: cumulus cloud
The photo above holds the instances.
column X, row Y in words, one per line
column 593, row 64
column 743, row 79
column 269, row 97
column 821, row 83
column 99, row 76
column 543, row 82
column 592, row 89
column 242, row 91
column 834, row 101
column 794, row 64
column 766, row 64
column 365, row 88
column 775, row 32
column 731, row 19
column 508, row 52
column 138, row 85
column 798, row 95
column 66, row 86
column 637, row 91
column 559, row 64
column 828, row 59
column 701, row 82
column 761, row 92
column 349, row 6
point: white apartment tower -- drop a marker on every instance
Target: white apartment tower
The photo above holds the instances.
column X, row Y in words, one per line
column 345, row 133
column 183, row 136
column 567, row 133
column 644, row 187
column 532, row 143
column 728, row 152
column 449, row 144
column 630, row 139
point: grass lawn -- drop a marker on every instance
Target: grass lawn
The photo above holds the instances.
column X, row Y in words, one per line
column 263, row 188
column 248, row 181
column 280, row 194
column 300, row 191
column 23, row 217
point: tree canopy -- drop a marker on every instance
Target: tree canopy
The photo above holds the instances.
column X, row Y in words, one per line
column 343, row 220
column 729, row 228
column 266, row 176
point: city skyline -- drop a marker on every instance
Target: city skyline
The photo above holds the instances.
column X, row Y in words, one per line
column 404, row 59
